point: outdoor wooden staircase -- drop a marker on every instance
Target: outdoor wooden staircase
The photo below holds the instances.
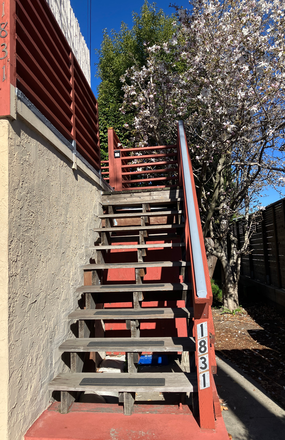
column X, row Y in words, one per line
column 159, row 234
column 146, row 292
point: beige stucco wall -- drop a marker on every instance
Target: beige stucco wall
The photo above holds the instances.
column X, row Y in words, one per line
column 4, row 358
column 52, row 211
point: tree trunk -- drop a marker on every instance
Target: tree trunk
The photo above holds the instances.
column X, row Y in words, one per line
column 230, row 288
column 230, row 296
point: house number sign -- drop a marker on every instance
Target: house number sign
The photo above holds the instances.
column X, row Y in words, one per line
column 3, row 41
column 203, row 355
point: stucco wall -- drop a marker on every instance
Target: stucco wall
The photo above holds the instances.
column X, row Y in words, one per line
column 51, row 215
column 4, row 358
column 70, row 27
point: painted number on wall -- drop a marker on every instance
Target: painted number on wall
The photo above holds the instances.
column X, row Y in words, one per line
column 3, row 45
column 203, row 356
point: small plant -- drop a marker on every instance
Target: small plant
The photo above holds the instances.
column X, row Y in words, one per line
column 217, row 294
column 232, row 312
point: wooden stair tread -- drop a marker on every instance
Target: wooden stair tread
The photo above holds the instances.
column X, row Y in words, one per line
column 152, row 236
column 138, row 197
column 134, row 287
column 129, row 345
column 144, row 313
column 139, row 228
column 137, row 246
column 134, row 202
column 135, row 265
column 125, row 382
column 140, row 214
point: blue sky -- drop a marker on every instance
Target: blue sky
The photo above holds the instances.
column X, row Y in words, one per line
column 109, row 14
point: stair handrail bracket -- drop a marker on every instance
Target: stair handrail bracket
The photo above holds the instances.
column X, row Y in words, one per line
column 203, row 328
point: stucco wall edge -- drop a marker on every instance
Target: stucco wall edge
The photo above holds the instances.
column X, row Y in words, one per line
column 30, row 118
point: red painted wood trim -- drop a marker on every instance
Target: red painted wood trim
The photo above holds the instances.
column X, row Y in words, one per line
column 43, row 77
column 43, row 92
column 61, row 70
column 164, row 170
column 56, row 85
column 7, row 55
column 87, row 150
column 44, row 20
column 85, row 104
column 149, row 156
column 156, row 147
column 87, row 156
column 54, row 81
column 43, row 108
column 90, row 128
column 80, row 78
column 148, row 164
column 83, row 129
column 72, row 96
column 151, row 179
column 115, row 167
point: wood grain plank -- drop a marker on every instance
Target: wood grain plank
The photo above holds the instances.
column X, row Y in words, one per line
column 134, row 287
column 139, row 228
column 145, row 313
column 172, row 382
column 137, row 246
column 132, row 345
column 142, row 265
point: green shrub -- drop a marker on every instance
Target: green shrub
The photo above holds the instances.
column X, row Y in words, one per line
column 217, row 294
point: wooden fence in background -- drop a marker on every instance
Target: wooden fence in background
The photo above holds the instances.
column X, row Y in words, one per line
column 266, row 262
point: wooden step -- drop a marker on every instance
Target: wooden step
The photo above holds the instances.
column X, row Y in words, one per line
column 151, row 287
column 137, row 246
column 129, row 345
column 125, row 382
column 134, row 265
column 139, row 228
column 151, row 237
column 159, row 196
column 140, row 214
column 144, row 313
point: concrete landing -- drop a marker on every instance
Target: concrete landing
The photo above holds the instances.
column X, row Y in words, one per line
column 107, row 422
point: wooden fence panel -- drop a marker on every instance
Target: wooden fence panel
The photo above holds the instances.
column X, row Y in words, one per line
column 267, row 259
column 258, row 254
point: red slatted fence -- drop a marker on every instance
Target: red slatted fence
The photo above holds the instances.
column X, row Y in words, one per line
column 41, row 64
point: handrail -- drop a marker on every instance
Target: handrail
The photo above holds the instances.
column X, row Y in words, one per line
column 203, row 328
column 198, row 263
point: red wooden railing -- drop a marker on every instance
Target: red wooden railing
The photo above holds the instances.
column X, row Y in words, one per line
column 203, row 330
column 140, row 168
column 41, row 64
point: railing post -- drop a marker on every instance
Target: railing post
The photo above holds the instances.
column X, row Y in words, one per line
column 115, row 163
column 7, row 58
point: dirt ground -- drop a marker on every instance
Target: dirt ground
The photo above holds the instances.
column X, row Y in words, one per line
column 254, row 340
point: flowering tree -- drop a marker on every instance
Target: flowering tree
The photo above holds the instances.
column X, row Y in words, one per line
column 119, row 51
column 223, row 72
